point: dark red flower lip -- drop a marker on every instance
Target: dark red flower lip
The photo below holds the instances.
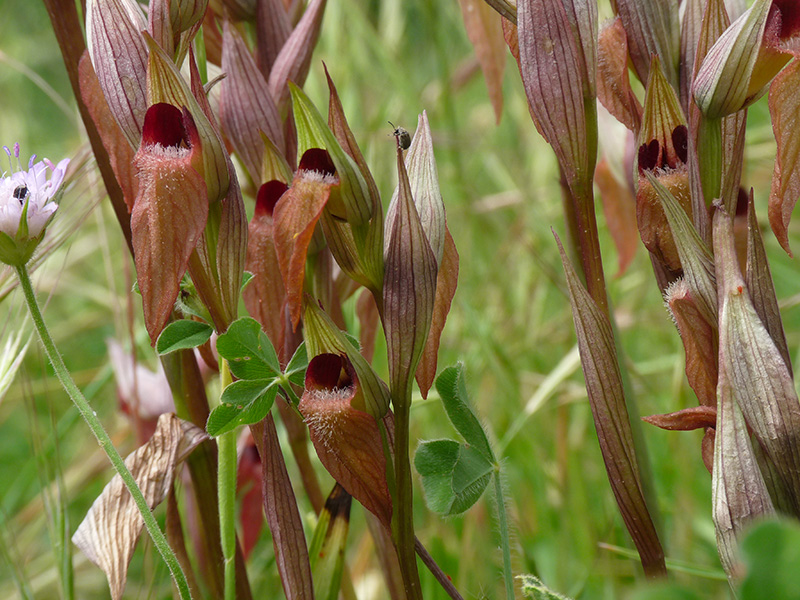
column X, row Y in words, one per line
column 170, row 127
column 330, row 372
column 318, row 160
column 268, row 196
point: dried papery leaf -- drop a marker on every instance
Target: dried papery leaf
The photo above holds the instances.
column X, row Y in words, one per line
column 551, row 66
column 170, row 211
column 295, row 217
column 763, row 385
column 486, row 35
column 696, row 258
column 120, row 152
column 324, row 337
column 231, row 250
column 119, row 57
column 409, row 286
column 653, row 30
column 699, row 339
column 613, row 83
column 249, row 483
column 265, row 294
column 108, row 533
column 347, row 440
column 446, row 282
column 283, row 516
column 294, row 60
column 738, row 493
column 759, row 282
column 619, row 209
column 246, row 105
column 784, row 106
column 686, row 419
column 725, row 82
column 273, row 28
column 368, row 319
column 424, row 180
column 607, row 401
column 166, row 84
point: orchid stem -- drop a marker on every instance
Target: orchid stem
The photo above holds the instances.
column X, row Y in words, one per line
column 103, row 439
column 226, row 492
column 403, row 516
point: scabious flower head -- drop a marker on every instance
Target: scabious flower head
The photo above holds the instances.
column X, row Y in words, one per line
column 26, row 205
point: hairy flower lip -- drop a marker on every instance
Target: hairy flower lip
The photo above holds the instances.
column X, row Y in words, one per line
column 167, row 125
column 328, row 372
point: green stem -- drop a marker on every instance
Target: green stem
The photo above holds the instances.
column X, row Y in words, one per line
column 505, row 541
column 403, row 516
column 226, row 492
column 91, row 419
column 709, row 151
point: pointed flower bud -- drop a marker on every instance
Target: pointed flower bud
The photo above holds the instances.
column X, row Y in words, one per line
column 323, row 337
column 409, row 287
column 119, row 57
column 653, row 29
column 424, row 181
column 763, row 386
column 166, row 84
column 663, row 149
column 348, row 440
column 746, row 57
column 186, row 13
column 26, row 206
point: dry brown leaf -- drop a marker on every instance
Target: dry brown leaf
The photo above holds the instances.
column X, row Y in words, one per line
column 108, row 533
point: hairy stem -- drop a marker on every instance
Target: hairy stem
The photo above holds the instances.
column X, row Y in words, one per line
column 505, row 541
column 226, row 492
column 103, row 439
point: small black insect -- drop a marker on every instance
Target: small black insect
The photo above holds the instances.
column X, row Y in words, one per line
column 402, row 135
column 21, row 192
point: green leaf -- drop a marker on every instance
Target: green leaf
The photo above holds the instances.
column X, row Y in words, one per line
column 243, row 403
column 180, row 335
column 532, row 587
column 296, row 369
column 771, row 552
column 453, row 391
column 454, row 475
column 248, row 351
column 247, row 277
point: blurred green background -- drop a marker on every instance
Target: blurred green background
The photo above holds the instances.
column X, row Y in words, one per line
column 510, row 323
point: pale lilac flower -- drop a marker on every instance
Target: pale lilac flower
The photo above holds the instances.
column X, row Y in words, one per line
column 31, row 187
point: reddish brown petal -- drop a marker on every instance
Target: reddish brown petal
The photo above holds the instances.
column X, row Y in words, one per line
column 249, row 485
column 613, row 83
column 686, row 419
column 619, row 209
column 699, row 339
column 446, row 281
column 784, row 106
column 295, row 217
column 265, row 294
column 368, row 319
column 348, row 441
column 168, row 218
